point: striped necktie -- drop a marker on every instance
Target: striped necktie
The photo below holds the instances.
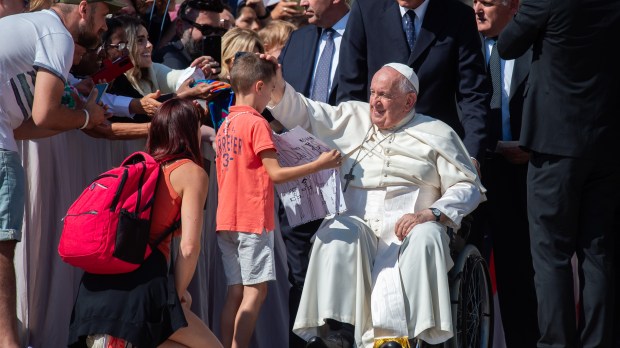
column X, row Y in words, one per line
column 409, row 28
column 320, row 87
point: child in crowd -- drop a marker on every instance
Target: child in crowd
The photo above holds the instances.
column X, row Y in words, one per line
column 247, row 167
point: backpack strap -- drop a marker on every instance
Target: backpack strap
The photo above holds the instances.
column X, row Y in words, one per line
column 175, row 225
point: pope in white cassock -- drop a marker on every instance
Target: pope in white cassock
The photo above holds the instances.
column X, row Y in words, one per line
column 383, row 265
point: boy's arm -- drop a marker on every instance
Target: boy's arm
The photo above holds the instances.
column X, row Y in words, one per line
column 329, row 159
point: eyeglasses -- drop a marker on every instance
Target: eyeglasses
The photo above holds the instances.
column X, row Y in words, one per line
column 119, row 46
column 205, row 29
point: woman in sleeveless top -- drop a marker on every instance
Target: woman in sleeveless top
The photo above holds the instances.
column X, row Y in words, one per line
column 149, row 307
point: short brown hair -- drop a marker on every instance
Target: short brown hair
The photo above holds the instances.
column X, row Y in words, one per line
column 249, row 69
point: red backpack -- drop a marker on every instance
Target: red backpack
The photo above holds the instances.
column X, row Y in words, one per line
column 106, row 230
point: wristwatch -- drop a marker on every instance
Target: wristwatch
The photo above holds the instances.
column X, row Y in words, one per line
column 437, row 213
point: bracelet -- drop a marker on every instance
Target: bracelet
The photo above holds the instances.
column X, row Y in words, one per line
column 87, row 118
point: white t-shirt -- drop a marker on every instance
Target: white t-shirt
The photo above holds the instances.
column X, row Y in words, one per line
column 28, row 41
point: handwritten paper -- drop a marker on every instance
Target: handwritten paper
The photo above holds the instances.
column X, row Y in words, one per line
column 312, row 197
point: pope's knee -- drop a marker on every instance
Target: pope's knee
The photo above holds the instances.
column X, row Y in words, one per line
column 342, row 229
column 426, row 237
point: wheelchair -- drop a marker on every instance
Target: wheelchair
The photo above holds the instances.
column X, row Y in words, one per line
column 471, row 295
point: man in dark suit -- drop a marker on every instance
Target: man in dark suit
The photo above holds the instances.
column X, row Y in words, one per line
column 504, row 216
column 439, row 40
column 570, row 123
column 301, row 55
column 301, row 59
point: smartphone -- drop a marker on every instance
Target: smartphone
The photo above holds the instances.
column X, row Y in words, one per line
column 162, row 98
column 97, row 92
column 212, row 47
column 112, row 70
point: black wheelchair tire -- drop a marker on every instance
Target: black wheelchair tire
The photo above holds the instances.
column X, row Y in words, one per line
column 472, row 301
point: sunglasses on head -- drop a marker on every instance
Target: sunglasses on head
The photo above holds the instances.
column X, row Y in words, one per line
column 205, row 29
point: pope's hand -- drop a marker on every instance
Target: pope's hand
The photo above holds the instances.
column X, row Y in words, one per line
column 407, row 222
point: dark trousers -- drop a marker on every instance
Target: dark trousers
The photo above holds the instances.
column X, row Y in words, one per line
column 571, row 209
column 504, row 218
column 298, row 247
column 616, row 327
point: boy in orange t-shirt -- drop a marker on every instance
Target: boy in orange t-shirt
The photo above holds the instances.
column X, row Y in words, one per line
column 247, row 167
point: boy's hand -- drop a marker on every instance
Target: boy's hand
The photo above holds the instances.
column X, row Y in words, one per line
column 329, row 159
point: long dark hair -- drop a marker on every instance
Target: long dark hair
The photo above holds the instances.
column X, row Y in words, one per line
column 174, row 131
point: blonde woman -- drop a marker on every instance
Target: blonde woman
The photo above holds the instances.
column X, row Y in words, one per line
column 238, row 40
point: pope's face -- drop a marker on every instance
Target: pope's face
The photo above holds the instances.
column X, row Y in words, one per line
column 388, row 103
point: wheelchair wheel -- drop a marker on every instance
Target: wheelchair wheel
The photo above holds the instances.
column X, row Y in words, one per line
column 472, row 301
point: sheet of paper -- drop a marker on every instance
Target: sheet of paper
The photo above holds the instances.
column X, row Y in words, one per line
column 312, row 197
column 192, row 72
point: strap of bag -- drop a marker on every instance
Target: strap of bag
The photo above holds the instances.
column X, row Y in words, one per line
column 175, row 225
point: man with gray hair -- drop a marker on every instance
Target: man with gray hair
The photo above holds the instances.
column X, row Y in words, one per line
column 504, row 175
column 381, row 267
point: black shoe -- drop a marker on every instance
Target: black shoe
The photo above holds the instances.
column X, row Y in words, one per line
column 391, row 344
column 332, row 341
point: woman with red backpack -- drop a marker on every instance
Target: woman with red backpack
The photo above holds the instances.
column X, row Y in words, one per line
column 150, row 307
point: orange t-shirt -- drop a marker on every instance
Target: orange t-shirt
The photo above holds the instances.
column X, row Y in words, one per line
column 245, row 197
column 166, row 208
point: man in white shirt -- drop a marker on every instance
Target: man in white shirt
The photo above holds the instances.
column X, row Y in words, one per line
column 40, row 46
column 382, row 266
column 504, row 175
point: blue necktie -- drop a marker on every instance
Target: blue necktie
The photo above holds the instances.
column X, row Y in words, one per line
column 409, row 28
column 320, row 87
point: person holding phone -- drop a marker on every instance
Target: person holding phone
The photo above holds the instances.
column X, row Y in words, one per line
column 146, row 76
column 199, row 30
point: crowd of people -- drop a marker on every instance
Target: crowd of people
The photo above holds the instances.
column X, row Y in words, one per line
column 495, row 114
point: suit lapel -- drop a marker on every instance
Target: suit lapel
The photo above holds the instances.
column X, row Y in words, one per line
column 426, row 36
column 520, row 71
column 311, row 43
column 395, row 36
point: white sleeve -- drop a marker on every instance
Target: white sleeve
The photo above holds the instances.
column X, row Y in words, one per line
column 119, row 105
column 55, row 53
column 339, row 126
column 461, row 195
column 458, row 201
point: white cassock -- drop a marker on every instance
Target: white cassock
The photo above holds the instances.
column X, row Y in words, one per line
column 359, row 273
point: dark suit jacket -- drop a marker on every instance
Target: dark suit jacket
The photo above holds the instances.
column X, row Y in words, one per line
column 446, row 57
column 297, row 59
column 518, row 82
column 571, row 99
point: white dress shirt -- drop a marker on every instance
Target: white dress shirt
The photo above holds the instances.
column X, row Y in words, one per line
column 420, row 12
